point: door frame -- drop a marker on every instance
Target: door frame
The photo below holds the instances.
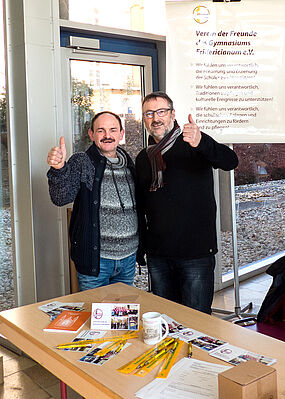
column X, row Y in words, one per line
column 68, row 54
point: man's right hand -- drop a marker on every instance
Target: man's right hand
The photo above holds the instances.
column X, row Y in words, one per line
column 57, row 155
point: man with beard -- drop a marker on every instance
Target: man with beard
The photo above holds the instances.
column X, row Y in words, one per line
column 176, row 201
column 103, row 227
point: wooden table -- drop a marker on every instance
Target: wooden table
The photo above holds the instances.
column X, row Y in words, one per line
column 24, row 328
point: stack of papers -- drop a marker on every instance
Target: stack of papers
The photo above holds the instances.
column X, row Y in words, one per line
column 188, row 379
column 53, row 309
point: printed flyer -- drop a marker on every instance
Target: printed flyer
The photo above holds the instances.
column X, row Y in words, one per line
column 115, row 316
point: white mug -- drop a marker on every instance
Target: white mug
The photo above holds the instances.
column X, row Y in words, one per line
column 152, row 328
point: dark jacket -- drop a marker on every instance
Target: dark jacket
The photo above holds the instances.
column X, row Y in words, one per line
column 181, row 216
column 273, row 306
column 80, row 181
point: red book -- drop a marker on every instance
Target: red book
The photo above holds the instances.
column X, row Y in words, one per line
column 68, row 321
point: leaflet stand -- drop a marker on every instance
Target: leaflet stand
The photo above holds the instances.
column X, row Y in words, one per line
column 238, row 311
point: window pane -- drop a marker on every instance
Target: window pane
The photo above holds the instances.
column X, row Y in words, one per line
column 6, row 260
column 260, row 202
column 138, row 15
column 101, row 86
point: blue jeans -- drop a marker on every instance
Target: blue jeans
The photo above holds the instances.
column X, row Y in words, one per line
column 111, row 271
column 187, row 281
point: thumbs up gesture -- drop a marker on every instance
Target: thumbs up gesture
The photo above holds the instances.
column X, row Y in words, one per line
column 57, row 155
column 191, row 132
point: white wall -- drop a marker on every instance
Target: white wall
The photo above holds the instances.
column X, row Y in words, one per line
column 33, row 80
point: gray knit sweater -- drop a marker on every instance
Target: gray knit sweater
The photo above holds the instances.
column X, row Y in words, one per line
column 118, row 220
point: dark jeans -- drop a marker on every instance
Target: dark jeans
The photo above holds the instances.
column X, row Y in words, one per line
column 188, row 281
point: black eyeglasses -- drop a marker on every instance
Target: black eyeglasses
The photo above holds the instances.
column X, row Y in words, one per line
column 159, row 112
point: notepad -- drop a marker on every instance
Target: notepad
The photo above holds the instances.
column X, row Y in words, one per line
column 68, row 321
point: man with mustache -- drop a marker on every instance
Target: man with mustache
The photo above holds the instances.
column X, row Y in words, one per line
column 103, row 227
column 175, row 192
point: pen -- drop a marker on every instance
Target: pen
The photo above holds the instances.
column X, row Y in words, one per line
column 76, row 344
column 189, row 350
column 106, row 355
column 174, row 347
column 120, row 347
column 147, row 357
column 102, row 352
column 171, row 354
column 166, row 343
column 157, row 357
column 150, row 360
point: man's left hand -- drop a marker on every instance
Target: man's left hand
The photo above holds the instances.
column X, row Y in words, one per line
column 191, row 132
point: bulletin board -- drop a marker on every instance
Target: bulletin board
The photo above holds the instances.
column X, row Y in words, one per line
column 226, row 66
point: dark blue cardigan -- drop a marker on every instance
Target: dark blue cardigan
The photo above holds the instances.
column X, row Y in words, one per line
column 80, row 181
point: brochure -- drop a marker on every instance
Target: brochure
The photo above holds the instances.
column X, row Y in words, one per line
column 68, row 321
column 234, row 355
column 92, row 358
column 115, row 316
column 197, row 338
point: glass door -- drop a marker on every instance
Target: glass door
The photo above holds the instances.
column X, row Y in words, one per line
column 111, row 81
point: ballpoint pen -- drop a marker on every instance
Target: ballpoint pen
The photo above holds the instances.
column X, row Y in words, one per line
column 109, row 352
column 147, row 355
column 173, row 347
column 102, row 352
column 170, row 358
column 171, row 352
column 120, row 347
column 151, row 358
column 157, row 358
column 77, row 344
column 138, row 361
column 145, row 360
column 166, row 343
column 189, row 350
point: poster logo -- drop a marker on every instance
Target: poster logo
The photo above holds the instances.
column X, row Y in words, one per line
column 98, row 313
column 201, row 14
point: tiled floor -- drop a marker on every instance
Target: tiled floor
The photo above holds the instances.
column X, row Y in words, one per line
column 25, row 379
column 251, row 290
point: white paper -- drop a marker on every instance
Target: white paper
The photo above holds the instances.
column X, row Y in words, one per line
column 188, row 379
